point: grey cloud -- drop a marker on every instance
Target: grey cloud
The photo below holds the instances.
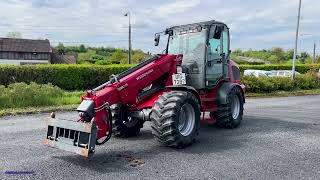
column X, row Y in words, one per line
column 258, row 24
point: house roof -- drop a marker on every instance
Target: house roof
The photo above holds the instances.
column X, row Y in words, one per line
column 25, row 45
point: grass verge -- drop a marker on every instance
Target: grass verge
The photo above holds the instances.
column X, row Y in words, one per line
column 20, row 98
column 285, row 93
column 33, row 110
column 22, row 95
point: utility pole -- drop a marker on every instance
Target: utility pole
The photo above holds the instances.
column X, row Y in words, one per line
column 314, row 52
column 296, row 44
column 314, row 47
column 130, row 48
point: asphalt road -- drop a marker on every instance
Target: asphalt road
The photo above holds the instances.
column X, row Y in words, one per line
column 278, row 139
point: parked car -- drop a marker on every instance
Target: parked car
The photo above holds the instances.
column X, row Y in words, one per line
column 256, row 73
column 282, row 73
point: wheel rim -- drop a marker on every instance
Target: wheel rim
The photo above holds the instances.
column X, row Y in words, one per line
column 186, row 120
column 235, row 107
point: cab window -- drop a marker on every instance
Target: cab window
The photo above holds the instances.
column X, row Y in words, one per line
column 226, row 42
column 226, row 48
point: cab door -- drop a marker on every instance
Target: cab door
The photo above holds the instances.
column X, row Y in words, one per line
column 217, row 55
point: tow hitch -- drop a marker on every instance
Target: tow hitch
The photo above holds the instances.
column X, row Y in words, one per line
column 77, row 137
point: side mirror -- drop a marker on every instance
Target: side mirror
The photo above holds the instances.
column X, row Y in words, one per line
column 156, row 39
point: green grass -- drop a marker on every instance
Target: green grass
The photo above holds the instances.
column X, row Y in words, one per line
column 25, row 98
column 22, row 95
column 286, row 93
column 22, row 98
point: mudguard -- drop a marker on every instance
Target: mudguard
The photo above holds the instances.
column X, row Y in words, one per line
column 224, row 91
column 185, row 88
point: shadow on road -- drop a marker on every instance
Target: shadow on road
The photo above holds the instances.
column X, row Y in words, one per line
column 100, row 162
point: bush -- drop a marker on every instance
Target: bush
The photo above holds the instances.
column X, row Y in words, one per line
column 19, row 95
column 271, row 84
column 307, row 81
column 102, row 62
column 68, row 77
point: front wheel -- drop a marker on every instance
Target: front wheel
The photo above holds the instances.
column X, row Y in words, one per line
column 175, row 119
column 230, row 114
column 124, row 125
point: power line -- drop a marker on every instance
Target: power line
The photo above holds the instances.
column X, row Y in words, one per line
column 64, row 30
column 70, row 25
column 98, row 42
column 55, row 28
column 31, row 27
column 86, row 42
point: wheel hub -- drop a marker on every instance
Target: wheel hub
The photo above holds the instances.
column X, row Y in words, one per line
column 186, row 120
column 235, row 107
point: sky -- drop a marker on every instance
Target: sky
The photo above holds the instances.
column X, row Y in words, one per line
column 253, row 24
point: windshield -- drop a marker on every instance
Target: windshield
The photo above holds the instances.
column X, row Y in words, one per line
column 191, row 45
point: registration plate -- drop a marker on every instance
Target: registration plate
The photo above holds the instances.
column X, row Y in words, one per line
column 179, row 79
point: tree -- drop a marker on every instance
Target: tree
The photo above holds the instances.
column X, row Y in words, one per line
column 138, row 56
column 318, row 59
column 14, row 34
column 237, row 52
column 61, row 49
column 274, row 59
column 82, row 48
column 303, row 57
column 86, row 57
column 119, row 56
column 289, row 54
column 279, row 53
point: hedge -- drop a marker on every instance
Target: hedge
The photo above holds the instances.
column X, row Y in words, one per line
column 271, row 84
column 82, row 77
column 68, row 77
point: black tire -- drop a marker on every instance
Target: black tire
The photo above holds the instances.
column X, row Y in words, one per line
column 119, row 127
column 225, row 118
column 165, row 118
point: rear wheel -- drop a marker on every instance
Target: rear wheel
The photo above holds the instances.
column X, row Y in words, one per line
column 122, row 124
column 230, row 114
column 175, row 118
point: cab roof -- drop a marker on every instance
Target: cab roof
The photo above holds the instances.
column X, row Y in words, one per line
column 202, row 24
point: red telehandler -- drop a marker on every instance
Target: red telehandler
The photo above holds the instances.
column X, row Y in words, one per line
column 194, row 81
